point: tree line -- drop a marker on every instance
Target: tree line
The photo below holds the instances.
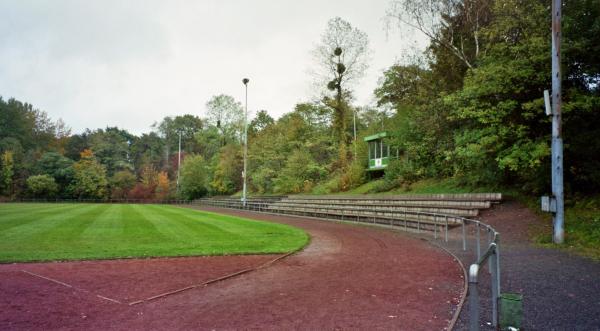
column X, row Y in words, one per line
column 470, row 108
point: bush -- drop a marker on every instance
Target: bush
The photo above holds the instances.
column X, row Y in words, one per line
column 300, row 173
column 193, row 181
column 353, row 176
column 42, row 186
column 402, row 172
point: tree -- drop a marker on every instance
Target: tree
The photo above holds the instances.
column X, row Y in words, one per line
column 193, row 180
column 300, row 174
column 31, row 127
column 147, row 149
column 77, row 143
column 227, row 177
column 260, row 122
column 111, row 148
column 58, row 167
column 121, row 183
column 454, row 25
column 455, row 30
column 404, row 85
column 188, row 125
column 209, row 142
column 342, row 58
column 163, row 186
column 6, row 172
column 42, row 186
column 316, row 115
column 227, row 114
column 89, row 180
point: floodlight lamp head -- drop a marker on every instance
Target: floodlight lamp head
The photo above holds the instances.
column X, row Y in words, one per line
column 245, row 81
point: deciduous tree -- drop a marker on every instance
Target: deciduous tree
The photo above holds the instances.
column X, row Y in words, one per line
column 6, row 172
column 42, row 186
column 341, row 58
column 193, row 182
column 227, row 115
column 89, row 180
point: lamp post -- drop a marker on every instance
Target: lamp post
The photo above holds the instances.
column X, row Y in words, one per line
column 178, row 161
column 354, row 123
column 245, row 81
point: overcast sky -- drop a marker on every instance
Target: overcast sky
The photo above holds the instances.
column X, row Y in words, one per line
column 131, row 63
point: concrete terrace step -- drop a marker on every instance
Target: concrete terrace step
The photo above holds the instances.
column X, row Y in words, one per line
column 411, row 217
column 424, row 211
column 409, row 220
column 398, row 203
column 492, row 197
column 380, row 208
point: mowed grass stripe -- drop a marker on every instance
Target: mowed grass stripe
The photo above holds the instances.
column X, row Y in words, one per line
column 48, row 235
column 255, row 234
column 33, row 224
column 227, row 224
column 97, row 231
column 140, row 227
column 175, row 227
column 14, row 217
column 189, row 223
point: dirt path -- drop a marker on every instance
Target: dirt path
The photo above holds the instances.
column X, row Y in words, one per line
column 561, row 291
column 349, row 277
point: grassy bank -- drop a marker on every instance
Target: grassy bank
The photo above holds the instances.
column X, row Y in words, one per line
column 582, row 228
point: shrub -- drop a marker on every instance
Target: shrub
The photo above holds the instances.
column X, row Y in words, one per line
column 42, row 186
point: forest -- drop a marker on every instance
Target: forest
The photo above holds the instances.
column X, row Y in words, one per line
column 469, row 108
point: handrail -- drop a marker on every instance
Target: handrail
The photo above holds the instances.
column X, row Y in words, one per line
column 491, row 254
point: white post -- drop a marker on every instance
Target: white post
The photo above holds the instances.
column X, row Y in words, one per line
column 244, row 174
column 354, row 133
column 178, row 161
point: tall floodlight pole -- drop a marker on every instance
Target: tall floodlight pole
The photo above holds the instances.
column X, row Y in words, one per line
column 557, row 143
column 245, row 81
column 354, row 120
column 178, row 161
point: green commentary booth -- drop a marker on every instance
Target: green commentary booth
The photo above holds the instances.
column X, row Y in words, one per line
column 379, row 151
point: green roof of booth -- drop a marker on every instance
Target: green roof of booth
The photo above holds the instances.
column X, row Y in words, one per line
column 376, row 136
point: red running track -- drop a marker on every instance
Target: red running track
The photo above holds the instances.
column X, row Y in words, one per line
column 348, row 277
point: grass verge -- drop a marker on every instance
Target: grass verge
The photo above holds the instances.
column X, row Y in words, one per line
column 582, row 228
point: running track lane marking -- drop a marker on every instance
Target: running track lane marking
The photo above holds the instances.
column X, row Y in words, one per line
column 158, row 296
column 232, row 275
column 70, row 286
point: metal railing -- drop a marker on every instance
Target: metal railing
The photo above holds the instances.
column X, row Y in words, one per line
column 492, row 256
column 485, row 237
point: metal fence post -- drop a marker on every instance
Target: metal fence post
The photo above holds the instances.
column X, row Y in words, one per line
column 473, row 298
column 495, row 279
column 478, row 242
column 497, row 254
column 464, row 235
column 446, row 234
column 489, row 243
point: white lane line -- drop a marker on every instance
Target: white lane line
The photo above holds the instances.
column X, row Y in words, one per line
column 69, row 286
column 47, row 278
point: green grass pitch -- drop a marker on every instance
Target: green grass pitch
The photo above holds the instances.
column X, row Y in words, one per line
column 43, row 232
